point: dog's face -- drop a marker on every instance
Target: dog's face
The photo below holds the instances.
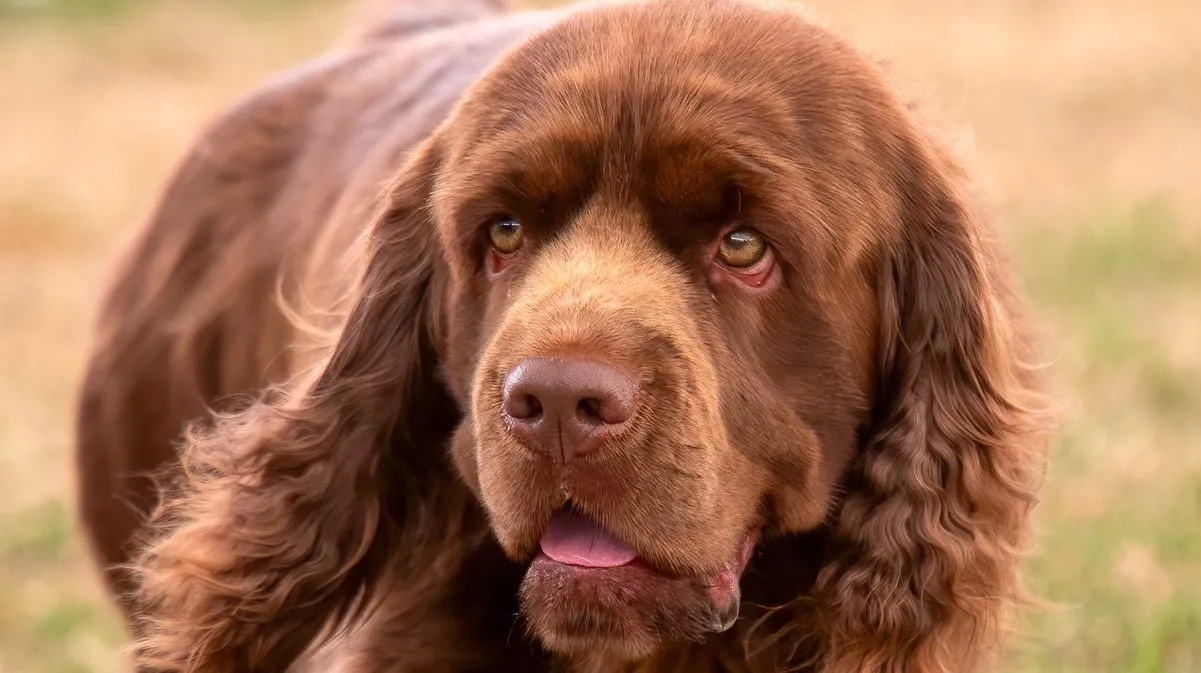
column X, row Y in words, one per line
column 662, row 236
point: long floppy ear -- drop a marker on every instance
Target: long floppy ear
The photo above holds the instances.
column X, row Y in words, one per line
column 279, row 525
column 927, row 543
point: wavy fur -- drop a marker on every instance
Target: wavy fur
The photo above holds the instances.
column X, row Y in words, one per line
column 309, row 302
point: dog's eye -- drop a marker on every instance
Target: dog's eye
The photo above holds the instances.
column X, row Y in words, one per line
column 742, row 249
column 506, row 234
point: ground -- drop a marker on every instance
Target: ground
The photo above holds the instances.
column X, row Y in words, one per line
column 1083, row 115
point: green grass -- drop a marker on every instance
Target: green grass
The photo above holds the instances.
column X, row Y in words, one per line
column 1088, row 130
column 47, row 624
column 1119, row 545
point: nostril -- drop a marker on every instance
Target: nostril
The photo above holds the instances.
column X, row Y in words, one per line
column 523, row 406
column 533, row 406
column 604, row 410
column 589, row 410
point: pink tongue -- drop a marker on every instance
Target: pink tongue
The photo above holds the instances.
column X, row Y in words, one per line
column 580, row 541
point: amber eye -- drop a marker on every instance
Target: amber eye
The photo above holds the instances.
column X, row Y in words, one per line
column 505, row 234
column 742, row 249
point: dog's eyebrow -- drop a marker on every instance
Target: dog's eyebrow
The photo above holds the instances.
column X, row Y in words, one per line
column 542, row 169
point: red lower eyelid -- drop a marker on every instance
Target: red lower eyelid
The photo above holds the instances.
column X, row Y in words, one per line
column 755, row 280
column 756, row 276
column 496, row 262
column 758, row 279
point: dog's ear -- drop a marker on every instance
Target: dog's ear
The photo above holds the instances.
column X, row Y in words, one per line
column 287, row 511
column 929, row 536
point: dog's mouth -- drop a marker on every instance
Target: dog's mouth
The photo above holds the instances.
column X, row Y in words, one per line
column 587, row 581
column 573, row 539
column 578, row 540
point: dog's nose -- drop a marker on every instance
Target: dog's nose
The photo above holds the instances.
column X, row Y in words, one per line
column 565, row 408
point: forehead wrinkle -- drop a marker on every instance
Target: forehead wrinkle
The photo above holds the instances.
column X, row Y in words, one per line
column 601, row 83
column 684, row 110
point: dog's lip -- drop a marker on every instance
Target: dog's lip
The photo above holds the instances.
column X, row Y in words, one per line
column 724, row 587
column 746, row 549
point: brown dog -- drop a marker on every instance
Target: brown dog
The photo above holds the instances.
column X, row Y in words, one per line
column 653, row 336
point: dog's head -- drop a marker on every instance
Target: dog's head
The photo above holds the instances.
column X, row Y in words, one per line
column 702, row 263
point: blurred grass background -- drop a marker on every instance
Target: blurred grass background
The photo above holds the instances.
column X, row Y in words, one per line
column 1086, row 118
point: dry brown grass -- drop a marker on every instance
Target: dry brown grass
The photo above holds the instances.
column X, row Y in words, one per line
column 1085, row 113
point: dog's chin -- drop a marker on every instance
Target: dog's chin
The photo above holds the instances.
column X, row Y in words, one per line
column 621, row 608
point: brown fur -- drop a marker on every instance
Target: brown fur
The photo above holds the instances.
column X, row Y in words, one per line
column 310, row 300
